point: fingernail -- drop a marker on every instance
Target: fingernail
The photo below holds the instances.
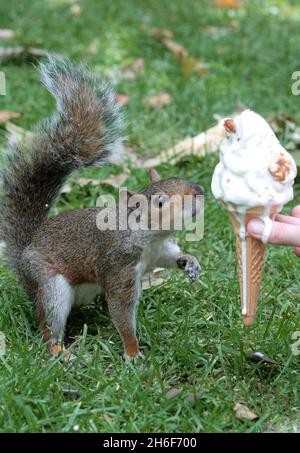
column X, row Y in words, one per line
column 256, row 227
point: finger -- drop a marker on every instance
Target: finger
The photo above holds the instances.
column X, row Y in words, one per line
column 287, row 219
column 297, row 251
column 296, row 211
column 281, row 233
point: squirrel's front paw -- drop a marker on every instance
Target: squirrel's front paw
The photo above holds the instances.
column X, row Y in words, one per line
column 130, row 358
column 193, row 268
column 191, row 265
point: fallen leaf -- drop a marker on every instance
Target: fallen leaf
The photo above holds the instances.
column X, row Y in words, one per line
column 115, row 181
column 66, row 188
column 173, row 392
column 75, row 10
column 161, row 33
column 122, row 98
column 204, row 143
column 17, row 134
column 242, row 412
column 216, row 32
column 92, row 48
column 132, row 71
column 36, row 52
column 190, row 66
column 5, row 33
column 282, row 123
column 6, row 115
column 88, row 182
column 295, row 135
column 160, row 100
column 262, row 358
column 29, row 53
column 228, row 3
column 222, row 50
column 153, row 278
column 177, row 49
column 8, row 52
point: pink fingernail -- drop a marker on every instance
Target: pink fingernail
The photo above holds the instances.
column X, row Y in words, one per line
column 256, row 227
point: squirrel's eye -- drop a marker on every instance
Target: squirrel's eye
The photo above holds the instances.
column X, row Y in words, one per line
column 160, row 201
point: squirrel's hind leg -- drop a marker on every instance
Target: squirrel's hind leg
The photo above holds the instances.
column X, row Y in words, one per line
column 122, row 299
column 55, row 298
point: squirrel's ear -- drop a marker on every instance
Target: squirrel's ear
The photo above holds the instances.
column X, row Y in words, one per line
column 129, row 193
column 154, row 175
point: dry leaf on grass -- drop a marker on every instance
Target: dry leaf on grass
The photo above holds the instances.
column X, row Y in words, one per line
column 262, row 358
column 173, row 392
column 9, row 52
column 190, row 66
column 228, row 3
column 75, row 10
column 216, row 32
column 123, row 99
column 5, row 33
column 6, row 115
column 135, row 69
column 115, row 181
column 282, row 124
column 88, row 182
column 92, row 49
column 161, row 33
column 160, row 100
column 153, row 278
column 29, row 53
column 66, row 188
column 17, row 134
column 177, row 49
column 200, row 145
column 242, row 412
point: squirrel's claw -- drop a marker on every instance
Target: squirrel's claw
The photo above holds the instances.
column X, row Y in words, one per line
column 138, row 356
column 193, row 268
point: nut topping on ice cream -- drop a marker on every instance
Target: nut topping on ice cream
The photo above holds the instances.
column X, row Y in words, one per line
column 280, row 169
column 229, row 125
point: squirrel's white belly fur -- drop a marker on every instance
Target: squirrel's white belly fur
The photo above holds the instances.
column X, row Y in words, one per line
column 85, row 293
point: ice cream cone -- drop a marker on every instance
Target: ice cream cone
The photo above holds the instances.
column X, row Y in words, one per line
column 255, row 253
column 255, row 175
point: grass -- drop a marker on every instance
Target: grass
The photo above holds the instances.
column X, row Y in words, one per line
column 191, row 335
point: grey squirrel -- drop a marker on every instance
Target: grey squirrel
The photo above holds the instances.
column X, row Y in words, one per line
column 66, row 259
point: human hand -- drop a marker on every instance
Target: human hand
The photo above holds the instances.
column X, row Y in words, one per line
column 285, row 230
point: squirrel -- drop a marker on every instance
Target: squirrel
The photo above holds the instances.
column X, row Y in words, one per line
column 64, row 260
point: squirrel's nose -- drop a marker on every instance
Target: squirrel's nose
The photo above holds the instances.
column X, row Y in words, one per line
column 198, row 189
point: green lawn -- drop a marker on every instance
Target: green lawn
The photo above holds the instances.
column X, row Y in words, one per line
column 191, row 335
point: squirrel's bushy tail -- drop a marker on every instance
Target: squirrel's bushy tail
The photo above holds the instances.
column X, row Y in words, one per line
column 84, row 131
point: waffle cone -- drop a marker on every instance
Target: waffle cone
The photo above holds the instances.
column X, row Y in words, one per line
column 255, row 254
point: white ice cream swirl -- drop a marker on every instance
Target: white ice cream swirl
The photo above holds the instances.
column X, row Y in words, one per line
column 254, row 169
